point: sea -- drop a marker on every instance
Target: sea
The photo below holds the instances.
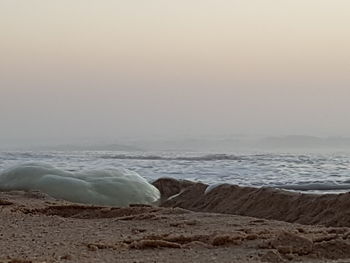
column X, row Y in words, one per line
column 307, row 172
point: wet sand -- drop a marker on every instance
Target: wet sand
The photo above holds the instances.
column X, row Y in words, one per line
column 38, row 228
column 268, row 203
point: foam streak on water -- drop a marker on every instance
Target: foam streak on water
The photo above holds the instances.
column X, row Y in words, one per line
column 324, row 173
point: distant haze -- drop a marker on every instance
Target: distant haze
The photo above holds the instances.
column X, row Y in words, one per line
column 106, row 70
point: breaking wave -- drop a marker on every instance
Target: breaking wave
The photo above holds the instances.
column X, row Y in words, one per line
column 324, row 186
column 208, row 157
column 114, row 187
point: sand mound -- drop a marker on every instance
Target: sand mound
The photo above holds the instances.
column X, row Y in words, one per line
column 328, row 210
column 170, row 187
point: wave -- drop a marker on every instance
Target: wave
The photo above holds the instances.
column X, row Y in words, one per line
column 208, row 157
column 326, row 186
column 303, row 187
column 114, row 187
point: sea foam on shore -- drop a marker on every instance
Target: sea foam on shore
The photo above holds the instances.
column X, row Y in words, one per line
column 114, row 187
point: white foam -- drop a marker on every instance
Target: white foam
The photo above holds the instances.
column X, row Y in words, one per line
column 212, row 187
column 114, row 187
column 315, row 186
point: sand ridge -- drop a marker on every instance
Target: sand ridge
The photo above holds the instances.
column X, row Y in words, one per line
column 269, row 203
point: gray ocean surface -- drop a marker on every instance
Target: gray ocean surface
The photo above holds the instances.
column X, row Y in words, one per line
column 312, row 172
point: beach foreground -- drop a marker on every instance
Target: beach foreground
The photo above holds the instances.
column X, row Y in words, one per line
column 38, row 228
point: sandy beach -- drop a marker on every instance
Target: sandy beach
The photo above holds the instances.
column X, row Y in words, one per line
column 174, row 131
column 38, row 228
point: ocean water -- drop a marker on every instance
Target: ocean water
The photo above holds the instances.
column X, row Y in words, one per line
column 314, row 172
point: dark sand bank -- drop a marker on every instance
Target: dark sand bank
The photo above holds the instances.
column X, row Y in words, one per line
column 329, row 210
column 37, row 228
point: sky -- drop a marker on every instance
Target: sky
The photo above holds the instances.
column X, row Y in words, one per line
column 111, row 68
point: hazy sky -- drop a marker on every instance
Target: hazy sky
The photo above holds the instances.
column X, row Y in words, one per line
column 109, row 68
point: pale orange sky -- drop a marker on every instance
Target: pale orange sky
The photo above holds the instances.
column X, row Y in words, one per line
column 110, row 68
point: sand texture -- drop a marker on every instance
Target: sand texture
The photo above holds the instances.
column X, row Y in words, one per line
column 38, row 228
column 328, row 209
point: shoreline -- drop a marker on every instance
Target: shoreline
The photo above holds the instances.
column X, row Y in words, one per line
column 39, row 228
